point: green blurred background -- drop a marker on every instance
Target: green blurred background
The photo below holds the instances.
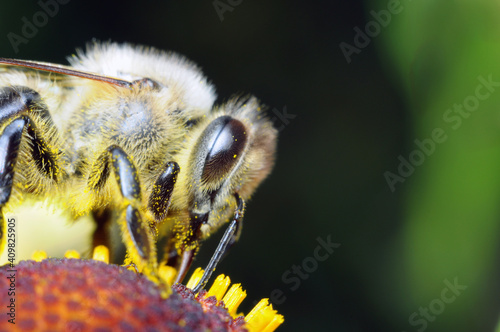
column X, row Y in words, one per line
column 400, row 247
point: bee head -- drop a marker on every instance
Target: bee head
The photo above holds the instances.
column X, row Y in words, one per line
column 233, row 151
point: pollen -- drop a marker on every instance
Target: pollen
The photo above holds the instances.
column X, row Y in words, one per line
column 262, row 318
column 195, row 278
column 219, row 287
column 72, row 254
column 233, row 298
column 39, row 255
column 167, row 274
column 101, row 253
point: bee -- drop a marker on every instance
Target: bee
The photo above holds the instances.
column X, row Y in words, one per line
column 130, row 135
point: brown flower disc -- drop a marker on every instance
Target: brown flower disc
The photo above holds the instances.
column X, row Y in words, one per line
column 86, row 295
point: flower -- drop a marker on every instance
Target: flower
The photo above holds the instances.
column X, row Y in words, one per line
column 72, row 294
column 262, row 317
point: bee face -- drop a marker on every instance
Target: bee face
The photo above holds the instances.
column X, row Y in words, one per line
column 135, row 139
column 233, row 150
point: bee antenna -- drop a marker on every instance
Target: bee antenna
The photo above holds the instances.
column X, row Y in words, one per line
column 59, row 69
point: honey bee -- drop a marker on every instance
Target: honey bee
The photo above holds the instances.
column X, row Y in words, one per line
column 131, row 135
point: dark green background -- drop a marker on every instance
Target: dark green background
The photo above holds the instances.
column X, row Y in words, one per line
column 352, row 122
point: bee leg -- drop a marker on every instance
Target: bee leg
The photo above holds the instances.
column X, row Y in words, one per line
column 159, row 201
column 23, row 105
column 190, row 244
column 137, row 236
column 188, row 255
column 227, row 239
column 197, row 220
column 16, row 100
column 10, row 141
column 17, row 103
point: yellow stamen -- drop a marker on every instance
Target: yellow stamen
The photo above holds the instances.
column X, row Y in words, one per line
column 195, row 278
column 219, row 287
column 39, row 255
column 101, row 253
column 167, row 274
column 233, row 299
column 263, row 318
column 72, row 254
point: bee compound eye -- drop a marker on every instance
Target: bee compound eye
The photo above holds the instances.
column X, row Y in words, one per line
column 226, row 141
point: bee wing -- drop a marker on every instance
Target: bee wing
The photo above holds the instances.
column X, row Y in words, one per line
column 61, row 72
